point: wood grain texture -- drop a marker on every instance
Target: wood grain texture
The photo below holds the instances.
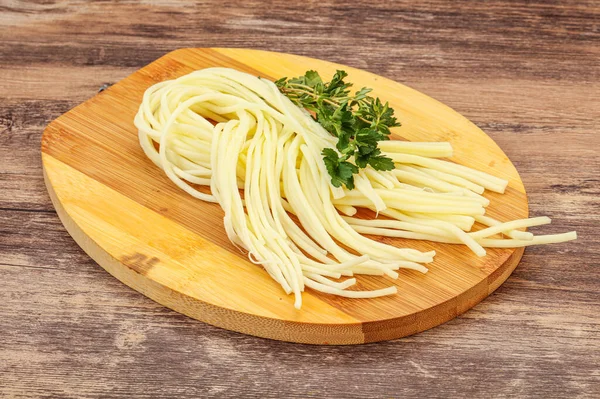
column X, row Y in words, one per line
column 157, row 239
column 525, row 72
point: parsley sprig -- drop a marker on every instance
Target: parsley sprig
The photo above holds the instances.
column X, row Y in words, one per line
column 358, row 121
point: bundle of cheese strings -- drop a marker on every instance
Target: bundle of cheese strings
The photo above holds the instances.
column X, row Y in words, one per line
column 259, row 154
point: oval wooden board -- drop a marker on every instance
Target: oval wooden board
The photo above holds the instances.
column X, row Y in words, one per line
column 143, row 230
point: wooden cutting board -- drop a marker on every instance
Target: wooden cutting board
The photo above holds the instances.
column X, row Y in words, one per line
column 155, row 238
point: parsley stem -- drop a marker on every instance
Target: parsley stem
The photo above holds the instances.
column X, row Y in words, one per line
column 308, row 93
column 313, row 95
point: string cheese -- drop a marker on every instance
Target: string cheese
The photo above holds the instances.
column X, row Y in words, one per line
column 231, row 138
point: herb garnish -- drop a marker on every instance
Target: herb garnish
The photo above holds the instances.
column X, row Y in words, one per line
column 358, row 121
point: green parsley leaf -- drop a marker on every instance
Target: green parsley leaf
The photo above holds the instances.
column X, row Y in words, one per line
column 381, row 163
column 358, row 121
column 341, row 171
column 312, row 78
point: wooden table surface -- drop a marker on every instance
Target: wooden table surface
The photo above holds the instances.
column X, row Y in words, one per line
column 526, row 73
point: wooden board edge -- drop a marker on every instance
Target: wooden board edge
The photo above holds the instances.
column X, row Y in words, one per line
column 443, row 312
column 321, row 334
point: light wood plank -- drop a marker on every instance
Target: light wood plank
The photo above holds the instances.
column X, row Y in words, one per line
column 107, row 193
